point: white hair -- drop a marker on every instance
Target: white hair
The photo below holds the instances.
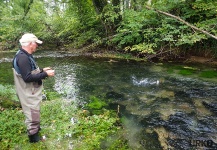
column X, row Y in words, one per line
column 25, row 43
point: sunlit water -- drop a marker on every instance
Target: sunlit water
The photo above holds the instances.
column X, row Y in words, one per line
column 160, row 109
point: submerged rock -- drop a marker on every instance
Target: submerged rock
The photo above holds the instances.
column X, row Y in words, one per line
column 166, row 94
column 182, row 95
column 166, row 110
column 184, row 107
column 114, row 95
column 201, row 110
column 135, row 108
column 211, row 106
column 181, row 124
column 186, row 129
column 162, row 137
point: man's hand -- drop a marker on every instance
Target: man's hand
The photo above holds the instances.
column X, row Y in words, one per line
column 50, row 72
column 47, row 68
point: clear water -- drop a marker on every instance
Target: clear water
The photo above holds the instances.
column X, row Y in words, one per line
column 160, row 108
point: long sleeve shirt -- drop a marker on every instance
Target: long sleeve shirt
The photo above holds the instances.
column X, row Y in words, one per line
column 24, row 64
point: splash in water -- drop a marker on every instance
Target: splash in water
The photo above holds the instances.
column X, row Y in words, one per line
column 144, row 81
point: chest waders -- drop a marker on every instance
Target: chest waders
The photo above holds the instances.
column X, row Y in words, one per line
column 30, row 97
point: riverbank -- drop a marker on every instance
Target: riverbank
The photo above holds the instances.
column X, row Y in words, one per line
column 201, row 60
column 64, row 126
column 188, row 60
column 117, row 55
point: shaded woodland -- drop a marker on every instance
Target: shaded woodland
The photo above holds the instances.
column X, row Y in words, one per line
column 165, row 29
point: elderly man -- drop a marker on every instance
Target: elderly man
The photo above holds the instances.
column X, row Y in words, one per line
column 28, row 81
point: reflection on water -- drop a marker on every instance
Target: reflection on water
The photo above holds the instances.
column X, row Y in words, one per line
column 159, row 109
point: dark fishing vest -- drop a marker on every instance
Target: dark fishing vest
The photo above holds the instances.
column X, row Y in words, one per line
column 25, row 90
column 33, row 64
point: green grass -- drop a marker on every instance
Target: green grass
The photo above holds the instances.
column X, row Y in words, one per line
column 8, row 91
column 85, row 133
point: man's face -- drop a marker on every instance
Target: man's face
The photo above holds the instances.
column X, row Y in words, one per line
column 33, row 45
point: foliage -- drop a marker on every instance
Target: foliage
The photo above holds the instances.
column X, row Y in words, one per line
column 155, row 31
column 130, row 29
column 15, row 21
column 51, row 95
column 80, row 24
column 92, row 129
column 8, row 91
column 123, row 25
column 12, row 128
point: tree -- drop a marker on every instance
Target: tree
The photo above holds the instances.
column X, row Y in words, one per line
column 170, row 27
column 145, row 31
column 19, row 17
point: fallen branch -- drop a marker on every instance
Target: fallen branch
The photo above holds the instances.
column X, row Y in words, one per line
column 183, row 21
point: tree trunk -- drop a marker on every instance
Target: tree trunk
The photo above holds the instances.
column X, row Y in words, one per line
column 99, row 5
column 98, row 10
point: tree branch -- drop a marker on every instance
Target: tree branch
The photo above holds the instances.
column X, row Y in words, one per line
column 183, row 21
column 26, row 11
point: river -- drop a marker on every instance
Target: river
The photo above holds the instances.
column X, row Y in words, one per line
column 162, row 106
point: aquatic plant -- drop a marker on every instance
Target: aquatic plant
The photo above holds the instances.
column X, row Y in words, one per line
column 96, row 105
column 208, row 74
column 185, row 72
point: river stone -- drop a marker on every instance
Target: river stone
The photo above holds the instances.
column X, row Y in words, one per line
column 166, row 94
column 211, row 106
column 186, row 128
column 181, row 123
column 114, row 95
column 201, row 110
column 162, row 137
column 147, row 100
column 182, row 95
column 156, row 68
column 134, row 108
column 165, row 110
column 185, row 107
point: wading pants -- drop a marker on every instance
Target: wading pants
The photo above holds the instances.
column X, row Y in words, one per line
column 30, row 96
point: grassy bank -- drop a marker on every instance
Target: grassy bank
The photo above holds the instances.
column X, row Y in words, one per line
column 65, row 127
